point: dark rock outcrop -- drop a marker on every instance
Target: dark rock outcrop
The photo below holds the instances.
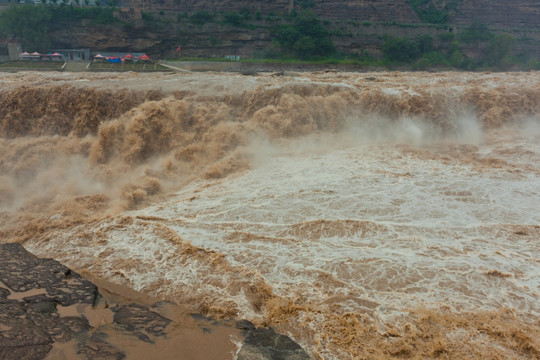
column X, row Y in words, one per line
column 32, row 289
column 266, row 344
column 141, row 321
column 96, row 347
column 21, row 272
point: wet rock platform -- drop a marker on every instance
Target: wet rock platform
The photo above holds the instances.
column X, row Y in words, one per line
column 48, row 311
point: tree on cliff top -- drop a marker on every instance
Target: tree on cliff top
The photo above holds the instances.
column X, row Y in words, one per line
column 29, row 24
column 498, row 51
column 306, row 38
column 434, row 11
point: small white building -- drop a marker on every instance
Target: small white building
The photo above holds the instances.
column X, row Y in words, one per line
column 10, row 51
column 74, row 54
column 232, row 57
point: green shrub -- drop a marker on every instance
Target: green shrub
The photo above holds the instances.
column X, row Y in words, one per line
column 469, row 64
column 29, row 23
column 146, row 16
column 437, row 58
column 98, row 15
column 201, row 17
column 365, row 56
column 422, row 64
column 400, row 49
column 476, row 33
column 425, row 44
column 447, row 37
column 306, row 4
column 214, row 40
column 428, row 13
column 233, row 18
column 532, row 64
column 306, row 38
column 429, row 60
column 497, row 51
column 272, row 17
column 456, row 59
column 245, row 13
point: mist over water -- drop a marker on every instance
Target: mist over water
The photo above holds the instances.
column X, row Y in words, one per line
column 367, row 215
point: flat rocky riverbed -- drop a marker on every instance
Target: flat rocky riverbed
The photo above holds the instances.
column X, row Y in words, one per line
column 48, row 311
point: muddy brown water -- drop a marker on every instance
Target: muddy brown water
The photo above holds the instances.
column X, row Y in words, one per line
column 369, row 215
column 186, row 337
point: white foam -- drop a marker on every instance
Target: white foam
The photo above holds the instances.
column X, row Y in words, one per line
column 437, row 227
column 398, row 226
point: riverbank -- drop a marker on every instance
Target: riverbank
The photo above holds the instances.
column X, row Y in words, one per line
column 48, row 311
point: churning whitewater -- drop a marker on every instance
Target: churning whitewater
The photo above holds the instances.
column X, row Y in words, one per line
column 367, row 215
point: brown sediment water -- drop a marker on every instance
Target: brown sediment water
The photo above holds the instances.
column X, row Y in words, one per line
column 186, row 337
column 96, row 315
column 368, row 215
column 21, row 295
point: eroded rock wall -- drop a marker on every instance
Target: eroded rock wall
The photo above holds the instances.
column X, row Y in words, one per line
column 495, row 13
column 358, row 26
column 515, row 14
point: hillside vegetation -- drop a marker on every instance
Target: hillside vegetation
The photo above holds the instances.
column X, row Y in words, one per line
column 298, row 36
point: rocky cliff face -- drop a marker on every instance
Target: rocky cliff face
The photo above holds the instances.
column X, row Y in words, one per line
column 213, row 6
column 358, row 25
column 209, row 40
column 106, row 38
column 367, row 10
column 502, row 14
column 359, row 10
column 496, row 13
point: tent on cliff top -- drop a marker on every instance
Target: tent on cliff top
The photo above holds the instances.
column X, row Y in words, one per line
column 100, row 57
column 114, row 60
column 25, row 56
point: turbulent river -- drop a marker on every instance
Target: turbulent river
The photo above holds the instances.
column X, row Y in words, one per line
column 367, row 215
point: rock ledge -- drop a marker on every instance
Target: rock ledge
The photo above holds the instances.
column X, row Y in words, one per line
column 50, row 311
